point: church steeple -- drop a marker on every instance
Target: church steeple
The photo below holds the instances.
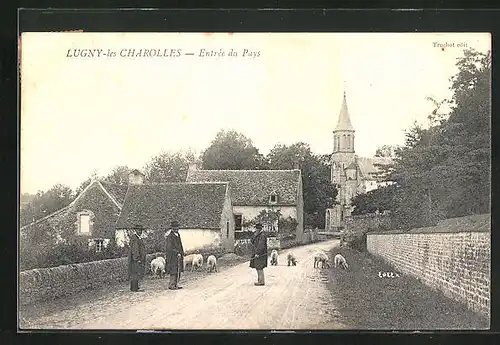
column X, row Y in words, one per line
column 343, row 135
column 344, row 123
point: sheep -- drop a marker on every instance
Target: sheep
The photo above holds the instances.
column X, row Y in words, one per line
column 212, row 264
column 339, row 260
column 158, row 266
column 291, row 259
column 322, row 258
column 188, row 260
column 197, row 261
column 274, row 258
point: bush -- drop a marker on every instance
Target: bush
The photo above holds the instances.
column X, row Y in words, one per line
column 353, row 240
column 289, row 243
column 243, row 248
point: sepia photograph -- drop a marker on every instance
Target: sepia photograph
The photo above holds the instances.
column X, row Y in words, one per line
column 254, row 181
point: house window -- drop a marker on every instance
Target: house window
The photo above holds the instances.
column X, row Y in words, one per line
column 238, row 219
column 273, row 198
column 227, row 229
column 85, row 223
column 99, row 245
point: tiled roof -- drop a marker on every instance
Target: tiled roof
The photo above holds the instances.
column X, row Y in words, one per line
column 154, row 206
column 254, row 187
column 368, row 167
column 117, row 191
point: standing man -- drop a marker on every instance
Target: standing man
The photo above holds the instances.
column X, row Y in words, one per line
column 174, row 256
column 136, row 257
column 259, row 254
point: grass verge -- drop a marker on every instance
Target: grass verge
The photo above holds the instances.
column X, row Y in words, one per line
column 368, row 301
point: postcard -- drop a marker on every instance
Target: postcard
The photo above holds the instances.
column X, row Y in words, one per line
column 254, row 181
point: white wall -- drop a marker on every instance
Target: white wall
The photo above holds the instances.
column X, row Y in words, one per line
column 192, row 239
column 227, row 216
column 121, row 238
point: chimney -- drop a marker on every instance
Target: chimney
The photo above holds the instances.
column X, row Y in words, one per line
column 135, row 177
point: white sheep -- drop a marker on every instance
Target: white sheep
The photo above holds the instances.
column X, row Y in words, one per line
column 158, row 266
column 188, row 260
column 274, row 257
column 339, row 260
column 197, row 261
column 322, row 258
column 212, row 264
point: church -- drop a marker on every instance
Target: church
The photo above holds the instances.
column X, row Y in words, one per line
column 350, row 173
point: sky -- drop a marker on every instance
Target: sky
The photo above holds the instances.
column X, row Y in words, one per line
column 85, row 114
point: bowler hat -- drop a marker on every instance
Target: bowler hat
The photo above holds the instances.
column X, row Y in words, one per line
column 258, row 226
column 174, row 224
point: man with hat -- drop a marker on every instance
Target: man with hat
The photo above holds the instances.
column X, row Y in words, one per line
column 174, row 256
column 259, row 253
column 136, row 257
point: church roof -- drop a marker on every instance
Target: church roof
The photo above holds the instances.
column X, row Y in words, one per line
column 344, row 123
column 352, row 166
column 253, row 187
column 368, row 166
column 155, row 206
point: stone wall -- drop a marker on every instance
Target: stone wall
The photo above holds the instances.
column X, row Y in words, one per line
column 368, row 222
column 356, row 227
column 454, row 261
column 50, row 283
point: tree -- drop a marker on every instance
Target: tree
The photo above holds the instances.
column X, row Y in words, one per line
column 231, row 150
column 443, row 171
column 274, row 221
column 380, row 199
column 318, row 191
column 118, row 175
column 168, row 167
column 45, row 203
column 386, row 151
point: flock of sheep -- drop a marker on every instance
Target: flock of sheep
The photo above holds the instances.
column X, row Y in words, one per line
column 320, row 257
column 196, row 262
column 157, row 265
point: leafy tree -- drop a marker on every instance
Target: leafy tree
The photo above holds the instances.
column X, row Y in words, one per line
column 118, row 175
column 168, row 167
column 274, row 221
column 45, row 203
column 443, row 171
column 386, row 151
column 318, row 191
column 231, row 150
column 380, row 199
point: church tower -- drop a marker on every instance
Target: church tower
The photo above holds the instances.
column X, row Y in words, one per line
column 343, row 165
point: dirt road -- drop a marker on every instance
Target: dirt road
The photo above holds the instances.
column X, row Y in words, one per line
column 293, row 298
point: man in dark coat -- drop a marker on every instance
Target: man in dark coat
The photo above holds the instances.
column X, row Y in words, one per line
column 259, row 254
column 174, row 256
column 136, row 258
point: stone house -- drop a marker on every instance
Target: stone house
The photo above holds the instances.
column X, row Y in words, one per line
column 253, row 191
column 89, row 219
column 203, row 210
